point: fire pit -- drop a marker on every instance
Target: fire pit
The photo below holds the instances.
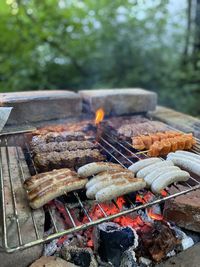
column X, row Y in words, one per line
column 128, row 231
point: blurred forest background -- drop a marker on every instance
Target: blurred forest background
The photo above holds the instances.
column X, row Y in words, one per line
column 74, row 44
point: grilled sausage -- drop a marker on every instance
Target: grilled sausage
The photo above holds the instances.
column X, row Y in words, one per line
column 120, row 188
column 36, row 180
column 168, row 178
column 185, row 163
column 56, row 190
column 135, row 167
column 188, row 154
column 145, row 171
column 107, row 180
column 152, row 176
column 106, row 174
column 92, row 190
column 96, row 167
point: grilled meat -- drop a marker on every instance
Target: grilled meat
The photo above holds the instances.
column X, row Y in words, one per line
column 144, row 128
column 56, row 137
column 44, row 187
column 63, row 146
column 163, row 147
column 145, row 141
column 69, row 159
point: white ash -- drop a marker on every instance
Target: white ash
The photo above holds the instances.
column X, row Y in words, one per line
column 145, row 261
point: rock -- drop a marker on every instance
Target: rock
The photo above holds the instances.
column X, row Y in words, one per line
column 34, row 106
column 189, row 257
column 119, row 101
column 178, row 120
column 51, row 262
column 184, row 211
column 20, row 258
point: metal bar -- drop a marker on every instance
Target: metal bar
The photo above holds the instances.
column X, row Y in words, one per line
column 23, row 179
column 106, row 217
column 114, row 148
column 124, row 147
column 4, row 228
column 107, row 151
column 52, row 218
column 13, row 195
column 82, row 206
column 70, row 216
column 102, row 210
column 101, row 220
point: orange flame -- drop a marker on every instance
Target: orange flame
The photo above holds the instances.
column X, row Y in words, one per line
column 99, row 116
column 155, row 216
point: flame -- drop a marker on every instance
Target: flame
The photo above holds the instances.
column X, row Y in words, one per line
column 155, row 216
column 99, row 116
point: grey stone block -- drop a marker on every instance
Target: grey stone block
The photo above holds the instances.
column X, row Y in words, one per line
column 119, row 101
column 37, row 106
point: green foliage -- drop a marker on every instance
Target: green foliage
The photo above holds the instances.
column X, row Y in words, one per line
column 74, row 44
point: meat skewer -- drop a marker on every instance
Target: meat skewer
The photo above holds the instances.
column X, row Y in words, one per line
column 145, row 141
column 163, row 147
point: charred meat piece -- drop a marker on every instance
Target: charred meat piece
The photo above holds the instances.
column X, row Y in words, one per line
column 63, row 146
column 68, row 159
column 57, row 137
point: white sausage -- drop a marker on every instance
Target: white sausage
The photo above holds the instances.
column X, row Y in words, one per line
column 142, row 164
column 185, row 163
column 145, row 171
column 188, row 154
column 168, row 178
column 92, row 190
column 152, row 176
column 96, row 167
column 107, row 174
column 117, row 190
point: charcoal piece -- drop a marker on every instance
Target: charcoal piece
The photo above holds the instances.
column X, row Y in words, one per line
column 158, row 241
column 82, row 257
column 113, row 241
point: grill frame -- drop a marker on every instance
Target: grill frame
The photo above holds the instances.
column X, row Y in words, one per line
column 103, row 142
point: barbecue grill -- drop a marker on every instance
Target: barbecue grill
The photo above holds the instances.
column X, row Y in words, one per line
column 117, row 151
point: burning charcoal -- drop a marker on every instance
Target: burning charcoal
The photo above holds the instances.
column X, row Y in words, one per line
column 82, row 257
column 158, row 241
column 113, row 240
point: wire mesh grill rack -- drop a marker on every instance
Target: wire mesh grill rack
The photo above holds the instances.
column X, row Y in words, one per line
column 120, row 152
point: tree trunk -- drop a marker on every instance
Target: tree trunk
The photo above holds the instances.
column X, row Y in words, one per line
column 196, row 47
column 188, row 33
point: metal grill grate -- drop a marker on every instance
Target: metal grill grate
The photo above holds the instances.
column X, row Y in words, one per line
column 121, row 152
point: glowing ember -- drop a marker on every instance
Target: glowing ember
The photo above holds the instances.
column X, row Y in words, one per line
column 154, row 216
column 99, row 116
column 163, row 193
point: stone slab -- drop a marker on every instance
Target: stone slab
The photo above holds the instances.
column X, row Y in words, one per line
column 187, row 258
column 119, row 101
column 181, row 121
column 37, row 106
column 184, row 211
